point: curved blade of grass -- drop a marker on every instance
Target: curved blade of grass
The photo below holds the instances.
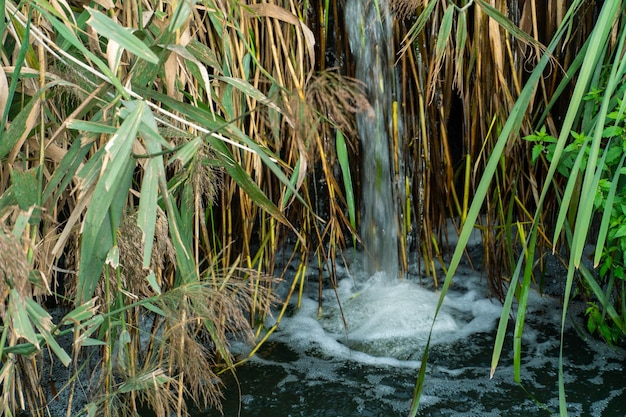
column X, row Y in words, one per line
column 121, row 35
column 522, row 305
column 511, row 126
column 344, row 163
column 606, row 215
column 601, row 295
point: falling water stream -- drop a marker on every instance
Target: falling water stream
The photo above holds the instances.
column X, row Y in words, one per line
column 363, row 360
column 369, row 32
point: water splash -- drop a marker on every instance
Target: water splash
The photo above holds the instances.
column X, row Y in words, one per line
column 369, row 31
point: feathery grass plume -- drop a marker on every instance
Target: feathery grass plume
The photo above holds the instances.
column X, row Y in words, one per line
column 14, row 270
column 132, row 275
column 403, row 9
column 19, row 374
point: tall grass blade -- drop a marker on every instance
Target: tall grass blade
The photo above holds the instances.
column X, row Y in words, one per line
column 508, row 131
column 122, row 36
column 110, row 193
column 19, row 63
column 344, row 163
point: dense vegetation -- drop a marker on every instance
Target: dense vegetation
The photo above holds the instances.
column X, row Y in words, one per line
column 155, row 155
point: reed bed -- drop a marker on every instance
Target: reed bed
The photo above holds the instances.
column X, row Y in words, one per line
column 156, row 155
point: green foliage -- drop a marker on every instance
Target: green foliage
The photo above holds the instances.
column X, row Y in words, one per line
column 609, row 201
column 113, row 157
column 583, row 162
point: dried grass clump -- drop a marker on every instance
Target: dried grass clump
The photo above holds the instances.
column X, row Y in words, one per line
column 130, row 242
column 14, row 270
column 337, row 98
column 200, row 318
column 404, row 9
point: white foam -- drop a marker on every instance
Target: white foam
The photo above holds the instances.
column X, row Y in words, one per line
column 386, row 322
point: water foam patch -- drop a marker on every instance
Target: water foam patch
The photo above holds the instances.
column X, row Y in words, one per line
column 380, row 320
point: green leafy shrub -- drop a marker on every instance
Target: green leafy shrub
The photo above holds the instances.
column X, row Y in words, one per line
column 609, row 201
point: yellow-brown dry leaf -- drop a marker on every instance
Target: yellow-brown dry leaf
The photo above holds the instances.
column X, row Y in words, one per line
column 277, row 12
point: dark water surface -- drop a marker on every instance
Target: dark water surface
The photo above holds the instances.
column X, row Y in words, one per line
column 311, row 367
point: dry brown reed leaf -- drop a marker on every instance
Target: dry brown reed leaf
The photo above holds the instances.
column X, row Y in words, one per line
column 277, row 12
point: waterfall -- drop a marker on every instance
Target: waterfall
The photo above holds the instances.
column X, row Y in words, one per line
column 368, row 25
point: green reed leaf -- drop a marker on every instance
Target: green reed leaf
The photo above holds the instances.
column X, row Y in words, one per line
column 81, row 313
column 71, row 37
column 93, row 127
column 19, row 63
column 293, row 182
column 153, row 170
column 507, row 24
column 22, row 326
column 187, row 271
column 444, row 30
column 461, row 39
column 121, row 35
column 344, row 163
column 419, row 24
column 43, row 322
column 24, row 186
column 109, row 195
column 606, row 214
column 181, row 14
column 250, row 91
column 20, row 126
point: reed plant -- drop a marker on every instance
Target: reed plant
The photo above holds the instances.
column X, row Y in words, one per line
column 590, row 74
column 154, row 157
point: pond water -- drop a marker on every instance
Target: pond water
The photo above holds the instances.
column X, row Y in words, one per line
column 313, row 366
